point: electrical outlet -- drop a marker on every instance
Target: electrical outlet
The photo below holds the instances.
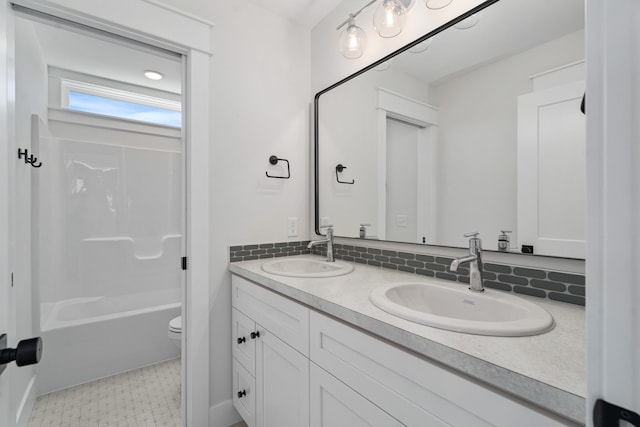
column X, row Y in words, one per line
column 292, row 227
column 402, row 221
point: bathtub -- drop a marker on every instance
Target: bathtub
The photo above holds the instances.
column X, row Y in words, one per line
column 85, row 339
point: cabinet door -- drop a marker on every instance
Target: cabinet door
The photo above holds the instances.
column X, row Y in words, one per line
column 282, row 383
column 244, row 393
column 244, row 347
column 551, row 190
column 333, row 404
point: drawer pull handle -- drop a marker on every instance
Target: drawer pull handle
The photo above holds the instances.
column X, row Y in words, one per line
column 242, row 393
column 255, row 335
column 241, row 340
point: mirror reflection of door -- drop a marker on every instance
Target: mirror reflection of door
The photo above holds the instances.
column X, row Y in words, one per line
column 402, row 189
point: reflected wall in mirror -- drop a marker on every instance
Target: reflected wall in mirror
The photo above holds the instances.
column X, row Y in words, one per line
column 482, row 131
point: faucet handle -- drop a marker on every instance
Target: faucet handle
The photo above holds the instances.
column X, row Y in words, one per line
column 327, row 226
column 473, row 234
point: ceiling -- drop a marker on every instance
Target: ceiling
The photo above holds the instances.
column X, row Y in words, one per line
column 503, row 29
column 304, row 12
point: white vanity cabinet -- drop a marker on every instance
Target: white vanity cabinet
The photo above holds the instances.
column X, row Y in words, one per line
column 270, row 357
column 307, row 369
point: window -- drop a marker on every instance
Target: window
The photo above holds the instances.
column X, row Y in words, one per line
column 95, row 99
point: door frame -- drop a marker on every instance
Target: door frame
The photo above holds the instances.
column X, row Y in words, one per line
column 613, row 203
column 150, row 22
column 401, row 107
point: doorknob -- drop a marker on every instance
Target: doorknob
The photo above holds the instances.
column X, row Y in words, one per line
column 27, row 352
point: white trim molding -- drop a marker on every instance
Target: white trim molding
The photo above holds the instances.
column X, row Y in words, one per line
column 150, row 23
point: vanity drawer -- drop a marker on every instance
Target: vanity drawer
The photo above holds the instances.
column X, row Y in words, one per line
column 411, row 389
column 284, row 318
column 244, row 395
column 243, row 346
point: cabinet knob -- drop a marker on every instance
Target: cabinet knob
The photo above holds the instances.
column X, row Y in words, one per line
column 241, row 340
column 242, row 393
column 255, row 335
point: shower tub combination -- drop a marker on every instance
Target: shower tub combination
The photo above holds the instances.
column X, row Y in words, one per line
column 109, row 240
column 95, row 337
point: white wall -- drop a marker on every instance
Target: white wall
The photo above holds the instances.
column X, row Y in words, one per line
column 31, row 98
column 478, row 131
column 260, row 97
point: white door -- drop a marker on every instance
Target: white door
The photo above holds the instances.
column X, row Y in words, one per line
column 409, row 214
column 551, row 190
column 402, row 191
column 613, row 179
column 17, row 391
column 282, row 383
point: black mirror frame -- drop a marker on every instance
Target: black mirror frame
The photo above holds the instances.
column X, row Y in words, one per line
column 316, row 99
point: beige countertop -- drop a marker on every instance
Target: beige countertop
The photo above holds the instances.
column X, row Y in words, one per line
column 548, row 370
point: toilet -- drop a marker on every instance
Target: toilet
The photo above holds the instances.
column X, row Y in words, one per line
column 175, row 330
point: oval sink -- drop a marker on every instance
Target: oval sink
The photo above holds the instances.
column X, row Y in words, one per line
column 461, row 310
column 302, row 267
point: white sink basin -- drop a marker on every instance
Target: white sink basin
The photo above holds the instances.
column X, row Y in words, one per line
column 458, row 309
column 302, row 267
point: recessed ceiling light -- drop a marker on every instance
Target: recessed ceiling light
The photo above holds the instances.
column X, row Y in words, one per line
column 153, row 75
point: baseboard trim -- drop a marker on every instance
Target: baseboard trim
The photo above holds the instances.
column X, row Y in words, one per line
column 223, row 415
column 23, row 414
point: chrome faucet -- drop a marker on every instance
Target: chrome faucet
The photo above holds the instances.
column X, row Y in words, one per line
column 328, row 241
column 474, row 260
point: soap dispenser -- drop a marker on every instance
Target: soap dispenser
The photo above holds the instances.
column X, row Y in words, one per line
column 504, row 245
column 363, row 230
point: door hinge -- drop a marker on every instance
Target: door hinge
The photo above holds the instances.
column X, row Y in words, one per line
column 184, row 262
column 12, row 279
column 606, row 414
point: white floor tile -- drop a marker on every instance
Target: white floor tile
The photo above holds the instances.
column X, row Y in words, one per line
column 146, row 397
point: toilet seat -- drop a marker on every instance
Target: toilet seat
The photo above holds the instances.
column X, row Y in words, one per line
column 175, row 325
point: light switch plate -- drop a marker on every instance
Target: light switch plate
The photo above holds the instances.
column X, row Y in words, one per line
column 402, row 221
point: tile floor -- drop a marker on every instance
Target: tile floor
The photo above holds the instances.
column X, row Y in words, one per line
column 145, row 397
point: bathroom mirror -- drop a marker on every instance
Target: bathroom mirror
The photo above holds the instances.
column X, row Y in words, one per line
column 474, row 127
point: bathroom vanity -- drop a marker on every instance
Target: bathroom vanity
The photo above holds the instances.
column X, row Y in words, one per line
column 317, row 352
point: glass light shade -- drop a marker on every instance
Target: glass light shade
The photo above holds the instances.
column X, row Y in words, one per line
column 384, row 66
column 353, row 41
column 421, row 47
column 468, row 23
column 437, row 4
column 389, row 18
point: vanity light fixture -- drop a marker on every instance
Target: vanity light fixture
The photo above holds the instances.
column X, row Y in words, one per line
column 153, row 75
column 389, row 18
column 437, row 4
column 353, row 40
